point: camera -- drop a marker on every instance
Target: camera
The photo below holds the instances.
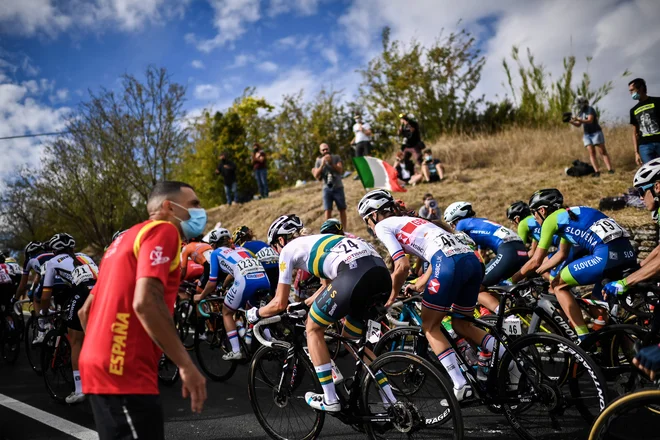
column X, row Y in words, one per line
column 432, row 204
column 566, row 117
column 329, row 180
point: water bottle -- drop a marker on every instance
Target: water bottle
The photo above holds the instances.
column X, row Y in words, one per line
column 446, row 323
column 240, row 328
column 337, row 377
column 598, row 324
column 468, row 352
column 484, row 365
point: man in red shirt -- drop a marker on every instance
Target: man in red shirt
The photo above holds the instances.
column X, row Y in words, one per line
column 128, row 319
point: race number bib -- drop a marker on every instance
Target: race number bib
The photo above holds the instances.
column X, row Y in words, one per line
column 607, row 230
column 267, row 256
column 506, row 235
column 248, row 266
column 82, row 274
column 4, row 277
column 42, row 269
column 207, row 255
column 450, row 245
column 351, row 250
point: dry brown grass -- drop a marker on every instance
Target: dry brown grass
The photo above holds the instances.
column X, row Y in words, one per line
column 489, row 171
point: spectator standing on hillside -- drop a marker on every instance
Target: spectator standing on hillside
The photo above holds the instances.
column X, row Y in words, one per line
column 362, row 139
column 429, row 210
column 412, row 138
column 260, row 168
column 432, row 168
column 405, row 169
column 329, row 169
column 227, row 169
column 645, row 119
column 593, row 135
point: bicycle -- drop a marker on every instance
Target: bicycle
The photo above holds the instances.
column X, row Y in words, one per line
column 185, row 318
column 633, row 416
column 556, row 378
column 56, row 358
column 168, row 372
column 10, row 335
column 281, row 372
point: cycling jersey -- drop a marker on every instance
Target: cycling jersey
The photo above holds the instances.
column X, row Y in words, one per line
column 419, row 237
column 529, row 229
column 198, row 252
column 66, row 269
column 268, row 259
column 321, row 255
column 35, row 263
column 486, row 234
column 249, row 275
column 5, row 278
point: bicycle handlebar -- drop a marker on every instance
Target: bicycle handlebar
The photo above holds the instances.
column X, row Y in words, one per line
column 274, row 343
column 18, row 306
column 395, row 322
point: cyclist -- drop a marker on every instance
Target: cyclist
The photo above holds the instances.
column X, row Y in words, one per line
column 14, row 270
column 648, row 360
column 198, row 252
column 445, row 286
column 605, row 243
column 355, row 279
column 244, row 237
column 79, row 273
column 510, row 251
column 245, row 275
column 647, row 182
column 334, row 226
column 6, row 285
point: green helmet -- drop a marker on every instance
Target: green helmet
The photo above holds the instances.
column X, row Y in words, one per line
column 332, row 226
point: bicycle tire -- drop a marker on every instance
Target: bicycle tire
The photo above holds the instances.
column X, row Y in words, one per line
column 183, row 323
column 258, row 377
column 583, row 372
column 601, row 429
column 404, row 412
column 11, row 340
column 168, row 372
column 219, row 344
column 32, row 352
column 56, row 366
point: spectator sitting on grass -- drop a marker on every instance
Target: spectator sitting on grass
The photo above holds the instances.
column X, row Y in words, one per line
column 432, row 169
column 429, row 209
column 405, row 169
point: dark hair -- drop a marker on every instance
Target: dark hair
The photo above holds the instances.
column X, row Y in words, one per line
column 639, row 84
column 428, row 196
column 256, row 144
column 167, row 188
column 428, row 151
column 407, row 155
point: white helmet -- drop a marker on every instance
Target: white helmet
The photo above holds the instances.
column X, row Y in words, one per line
column 284, row 225
column 457, row 211
column 375, row 200
column 218, row 235
column 648, row 173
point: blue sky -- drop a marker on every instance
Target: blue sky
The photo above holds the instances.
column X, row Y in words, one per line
column 52, row 51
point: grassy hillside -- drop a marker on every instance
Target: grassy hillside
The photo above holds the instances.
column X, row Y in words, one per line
column 489, row 171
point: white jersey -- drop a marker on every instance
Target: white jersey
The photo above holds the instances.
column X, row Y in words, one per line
column 238, row 262
column 321, row 255
column 62, row 266
column 417, row 236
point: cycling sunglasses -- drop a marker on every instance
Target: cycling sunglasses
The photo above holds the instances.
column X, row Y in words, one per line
column 641, row 191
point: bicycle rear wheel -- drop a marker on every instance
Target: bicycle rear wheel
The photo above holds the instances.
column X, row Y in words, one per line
column 184, row 323
column 56, row 365
column 168, row 372
column 33, row 352
column 277, row 387
column 11, row 339
column 425, row 406
column 630, row 417
column 209, row 352
column 558, row 394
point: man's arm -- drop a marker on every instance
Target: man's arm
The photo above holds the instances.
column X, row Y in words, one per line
column 531, row 265
column 208, row 289
column 278, row 303
column 650, row 269
column 420, row 284
column 575, row 122
column 557, row 258
column 339, row 167
column 638, row 158
column 651, row 256
column 316, row 171
column 22, row 286
column 229, row 279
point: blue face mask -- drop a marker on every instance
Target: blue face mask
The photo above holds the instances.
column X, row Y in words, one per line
column 635, row 96
column 194, row 226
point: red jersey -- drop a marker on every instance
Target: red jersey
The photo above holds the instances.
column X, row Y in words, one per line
column 118, row 356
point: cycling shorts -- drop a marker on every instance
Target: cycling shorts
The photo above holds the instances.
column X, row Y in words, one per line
column 75, row 303
column 606, row 258
column 244, row 289
column 572, row 256
column 454, row 284
column 510, row 258
column 7, row 291
column 358, row 288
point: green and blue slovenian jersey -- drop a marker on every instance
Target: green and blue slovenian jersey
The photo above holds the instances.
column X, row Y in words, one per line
column 486, row 234
column 590, row 229
column 529, row 229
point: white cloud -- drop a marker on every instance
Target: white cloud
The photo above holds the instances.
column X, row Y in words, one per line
column 206, row 92
column 267, row 66
column 230, row 20
column 197, row 64
column 242, row 60
column 331, row 55
column 293, row 42
column 303, row 7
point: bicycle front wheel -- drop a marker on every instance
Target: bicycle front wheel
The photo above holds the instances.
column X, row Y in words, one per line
column 277, row 387
column 424, row 406
column 558, row 389
column 630, row 417
column 32, row 351
column 11, row 340
column 56, row 365
column 209, row 350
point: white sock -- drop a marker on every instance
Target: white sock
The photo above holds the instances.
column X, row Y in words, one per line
column 448, row 360
column 77, row 381
column 488, row 343
column 324, row 373
column 233, row 340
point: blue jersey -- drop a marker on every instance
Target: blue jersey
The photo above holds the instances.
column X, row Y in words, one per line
column 238, row 262
column 589, row 228
column 486, row 234
column 264, row 253
column 529, row 229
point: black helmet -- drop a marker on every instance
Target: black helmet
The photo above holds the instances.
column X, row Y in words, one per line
column 549, row 198
column 33, row 247
column 241, row 235
column 518, row 209
column 60, row 242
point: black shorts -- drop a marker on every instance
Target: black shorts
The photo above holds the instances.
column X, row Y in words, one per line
column 357, row 289
column 75, row 303
column 362, row 148
column 510, row 258
column 6, row 293
column 128, row 416
column 205, row 276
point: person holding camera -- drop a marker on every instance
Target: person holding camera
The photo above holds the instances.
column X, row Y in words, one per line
column 329, row 169
column 645, row 119
column 593, row 135
column 405, row 169
column 412, row 138
column 432, row 169
column 429, row 209
column 227, row 169
column 260, row 168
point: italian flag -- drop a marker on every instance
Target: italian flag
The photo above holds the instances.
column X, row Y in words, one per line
column 376, row 173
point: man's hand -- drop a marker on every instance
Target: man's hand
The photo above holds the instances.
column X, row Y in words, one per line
column 197, row 297
column 615, row 288
column 253, row 315
column 194, row 385
column 648, row 360
column 638, row 159
column 327, row 159
column 217, row 171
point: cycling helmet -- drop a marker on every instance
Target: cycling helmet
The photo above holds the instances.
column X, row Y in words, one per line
column 518, row 209
column 118, row 234
column 33, row 247
column 60, row 242
column 219, row 235
column 546, row 198
column 241, row 234
column 332, row 226
column 581, row 101
column 648, row 174
column 283, row 226
column 457, row 211
column 374, row 201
